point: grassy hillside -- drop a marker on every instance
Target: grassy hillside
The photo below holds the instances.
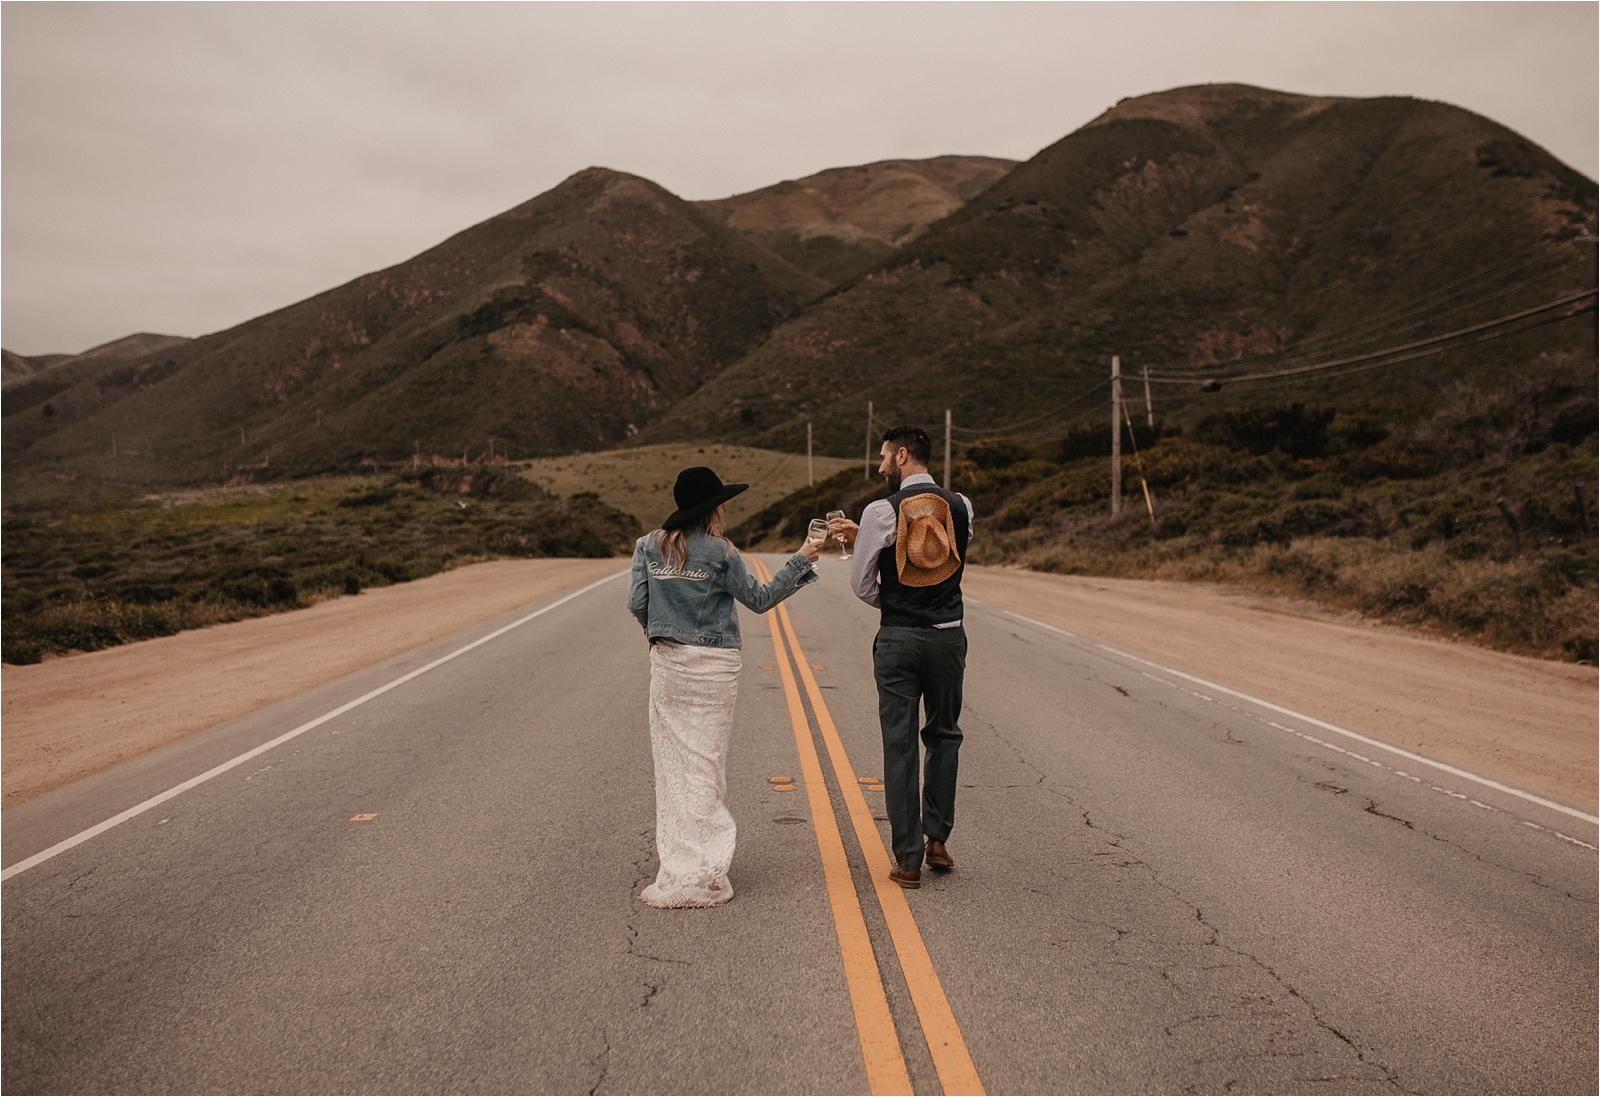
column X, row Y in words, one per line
column 15, row 367
column 1474, row 520
column 29, row 382
column 563, row 324
column 88, row 569
column 1219, row 228
column 638, row 480
column 93, row 564
column 839, row 223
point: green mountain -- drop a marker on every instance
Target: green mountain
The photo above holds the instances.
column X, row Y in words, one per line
column 560, row 325
column 51, row 373
column 1206, row 231
column 1213, row 232
column 564, row 324
column 839, row 223
column 17, row 367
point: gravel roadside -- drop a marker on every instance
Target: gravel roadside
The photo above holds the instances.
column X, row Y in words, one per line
column 1523, row 720
column 69, row 717
column 1527, row 721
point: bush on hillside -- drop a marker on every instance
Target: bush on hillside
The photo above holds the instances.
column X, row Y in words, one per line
column 783, row 524
column 114, row 573
column 1475, row 519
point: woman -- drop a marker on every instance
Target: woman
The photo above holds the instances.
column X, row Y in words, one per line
column 685, row 579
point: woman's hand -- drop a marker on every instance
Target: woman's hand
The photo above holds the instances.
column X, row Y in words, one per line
column 811, row 550
column 844, row 529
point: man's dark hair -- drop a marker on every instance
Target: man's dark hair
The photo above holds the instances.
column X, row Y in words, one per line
column 914, row 439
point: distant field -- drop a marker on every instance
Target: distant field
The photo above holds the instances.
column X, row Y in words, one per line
column 639, row 481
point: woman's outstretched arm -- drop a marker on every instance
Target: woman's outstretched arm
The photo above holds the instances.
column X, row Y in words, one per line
column 788, row 579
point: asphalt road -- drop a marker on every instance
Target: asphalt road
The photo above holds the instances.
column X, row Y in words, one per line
column 1160, row 887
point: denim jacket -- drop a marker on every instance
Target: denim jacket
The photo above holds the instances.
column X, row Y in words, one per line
column 694, row 604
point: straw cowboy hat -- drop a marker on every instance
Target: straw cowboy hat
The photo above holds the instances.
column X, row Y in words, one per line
column 925, row 541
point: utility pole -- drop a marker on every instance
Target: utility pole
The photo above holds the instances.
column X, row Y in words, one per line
column 1149, row 411
column 113, row 445
column 241, row 437
column 491, row 449
column 866, row 465
column 463, row 456
column 811, row 478
column 416, row 455
column 946, row 449
column 1116, row 435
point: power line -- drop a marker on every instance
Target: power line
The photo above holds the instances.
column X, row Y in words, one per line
column 1389, row 351
column 1434, row 313
column 1450, row 291
column 1428, row 353
column 1036, row 419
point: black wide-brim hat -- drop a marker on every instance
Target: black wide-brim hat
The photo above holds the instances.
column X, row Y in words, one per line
column 698, row 492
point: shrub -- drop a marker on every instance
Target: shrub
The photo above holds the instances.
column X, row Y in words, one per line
column 997, row 453
column 114, row 573
column 1293, row 429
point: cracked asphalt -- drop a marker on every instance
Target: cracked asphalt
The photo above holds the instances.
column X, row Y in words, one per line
column 1158, row 890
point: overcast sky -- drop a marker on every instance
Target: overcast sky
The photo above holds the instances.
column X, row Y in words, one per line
column 182, row 168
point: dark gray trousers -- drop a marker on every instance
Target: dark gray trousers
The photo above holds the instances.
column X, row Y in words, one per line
column 925, row 665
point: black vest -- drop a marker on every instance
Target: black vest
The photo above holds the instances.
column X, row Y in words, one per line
column 923, row 607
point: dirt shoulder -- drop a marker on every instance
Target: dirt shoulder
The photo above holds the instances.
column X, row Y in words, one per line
column 67, row 718
column 1523, row 720
column 1527, row 721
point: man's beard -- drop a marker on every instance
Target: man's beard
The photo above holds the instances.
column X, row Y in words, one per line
column 894, row 478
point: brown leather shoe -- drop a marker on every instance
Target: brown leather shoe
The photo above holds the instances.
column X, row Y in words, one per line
column 908, row 878
column 938, row 857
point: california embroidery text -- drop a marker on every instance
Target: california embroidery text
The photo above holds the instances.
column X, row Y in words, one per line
column 662, row 571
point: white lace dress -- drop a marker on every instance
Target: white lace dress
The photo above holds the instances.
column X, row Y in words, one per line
column 692, row 693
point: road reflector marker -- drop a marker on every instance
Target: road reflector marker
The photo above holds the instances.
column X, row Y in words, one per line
column 783, row 788
column 818, row 666
column 768, row 666
column 781, row 780
column 867, row 780
column 369, row 816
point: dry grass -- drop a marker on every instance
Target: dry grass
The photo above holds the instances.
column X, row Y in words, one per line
column 1532, row 604
column 94, row 571
column 1474, row 520
column 639, row 481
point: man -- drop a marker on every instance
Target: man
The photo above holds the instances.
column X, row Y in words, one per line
column 911, row 549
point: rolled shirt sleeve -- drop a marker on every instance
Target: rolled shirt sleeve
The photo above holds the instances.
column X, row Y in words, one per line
column 875, row 533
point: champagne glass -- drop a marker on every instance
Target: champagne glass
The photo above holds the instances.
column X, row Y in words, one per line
column 817, row 531
column 844, row 546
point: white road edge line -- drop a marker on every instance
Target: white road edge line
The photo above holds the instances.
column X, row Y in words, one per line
column 138, row 809
column 1380, row 744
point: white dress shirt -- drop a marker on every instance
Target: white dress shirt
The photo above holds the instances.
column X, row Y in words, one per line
column 878, row 531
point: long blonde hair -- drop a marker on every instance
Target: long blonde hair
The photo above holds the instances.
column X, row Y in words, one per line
column 674, row 546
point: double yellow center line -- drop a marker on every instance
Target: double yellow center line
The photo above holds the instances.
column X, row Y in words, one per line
column 880, row 1046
